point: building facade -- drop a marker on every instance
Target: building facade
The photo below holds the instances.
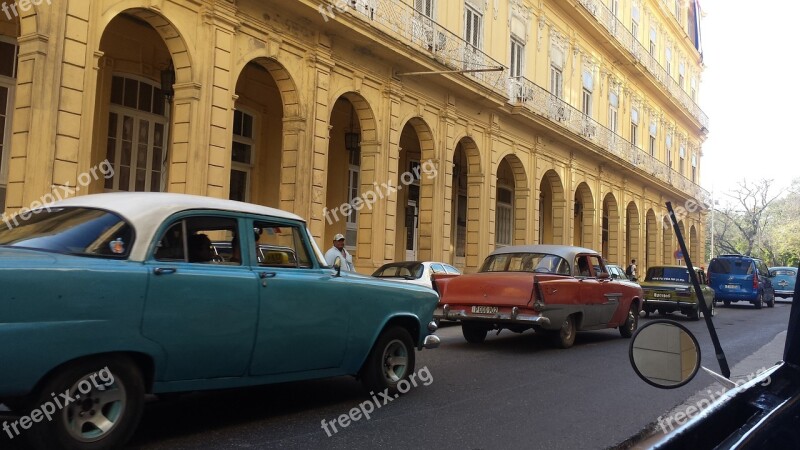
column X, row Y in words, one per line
column 420, row 129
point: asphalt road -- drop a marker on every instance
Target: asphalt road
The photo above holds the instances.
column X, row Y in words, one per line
column 513, row 391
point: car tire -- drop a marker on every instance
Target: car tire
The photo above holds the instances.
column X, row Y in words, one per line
column 474, row 334
column 631, row 322
column 759, row 301
column 771, row 303
column 565, row 336
column 694, row 314
column 391, row 361
column 74, row 426
column 727, row 303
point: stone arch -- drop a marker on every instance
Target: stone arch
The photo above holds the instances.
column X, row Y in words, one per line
column 583, row 217
column 351, row 113
column 668, row 241
column 552, row 209
column 287, row 87
column 609, row 234
column 520, row 193
column 465, row 187
column 417, row 144
column 632, row 236
column 651, row 233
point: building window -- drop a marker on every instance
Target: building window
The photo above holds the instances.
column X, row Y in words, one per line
column 505, row 217
column 669, row 150
column 693, row 88
column 517, row 58
column 473, row 27
column 8, row 75
column 682, row 160
column 353, row 188
column 588, row 87
column 635, row 22
column 653, row 37
column 613, row 111
column 694, row 168
column 425, row 7
column 556, row 82
column 615, row 8
column 653, row 134
column 136, row 135
column 678, row 10
column 242, row 155
column 681, row 74
column 635, row 127
column 669, row 61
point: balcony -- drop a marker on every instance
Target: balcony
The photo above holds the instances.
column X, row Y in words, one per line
column 412, row 27
column 540, row 101
column 615, row 28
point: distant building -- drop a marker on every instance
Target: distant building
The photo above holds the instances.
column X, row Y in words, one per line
column 587, row 127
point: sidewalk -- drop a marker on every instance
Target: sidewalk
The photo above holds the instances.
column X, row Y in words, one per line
column 763, row 358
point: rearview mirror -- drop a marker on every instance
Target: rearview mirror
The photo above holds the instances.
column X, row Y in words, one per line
column 665, row 354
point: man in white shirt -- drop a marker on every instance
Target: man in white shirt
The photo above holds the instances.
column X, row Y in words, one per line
column 339, row 251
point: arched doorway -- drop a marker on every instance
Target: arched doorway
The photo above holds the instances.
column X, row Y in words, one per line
column 9, row 32
column 133, row 110
column 552, row 209
column 668, row 241
column 583, row 217
column 465, row 208
column 632, row 231
column 257, row 133
column 651, row 231
column 694, row 246
column 609, row 234
column 510, row 202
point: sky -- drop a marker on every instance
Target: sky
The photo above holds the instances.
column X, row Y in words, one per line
column 747, row 90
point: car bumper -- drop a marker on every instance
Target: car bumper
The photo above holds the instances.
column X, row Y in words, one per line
column 676, row 304
column 784, row 293
column 432, row 341
column 513, row 317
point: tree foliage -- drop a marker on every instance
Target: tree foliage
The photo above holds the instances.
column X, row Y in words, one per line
column 757, row 221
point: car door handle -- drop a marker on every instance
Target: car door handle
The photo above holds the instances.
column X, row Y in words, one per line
column 164, row 270
column 263, row 275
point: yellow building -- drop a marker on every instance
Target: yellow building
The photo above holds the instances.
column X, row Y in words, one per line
column 498, row 122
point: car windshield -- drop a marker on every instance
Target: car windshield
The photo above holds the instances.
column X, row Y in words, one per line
column 526, row 262
column 674, row 274
column 731, row 266
column 784, row 272
column 400, row 270
column 75, row 231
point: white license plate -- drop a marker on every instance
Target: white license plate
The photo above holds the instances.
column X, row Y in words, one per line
column 484, row 309
column 731, row 286
column 657, row 295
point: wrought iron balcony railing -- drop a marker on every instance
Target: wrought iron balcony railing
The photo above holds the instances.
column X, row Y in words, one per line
column 399, row 19
column 541, row 101
column 612, row 24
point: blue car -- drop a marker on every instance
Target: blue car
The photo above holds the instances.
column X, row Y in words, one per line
column 783, row 281
column 108, row 297
column 739, row 278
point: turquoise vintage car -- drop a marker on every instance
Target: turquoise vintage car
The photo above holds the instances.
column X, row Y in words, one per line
column 107, row 297
column 783, row 281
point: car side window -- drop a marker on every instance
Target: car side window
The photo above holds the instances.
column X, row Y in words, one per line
column 437, row 268
column 199, row 239
column 597, row 265
column 582, row 266
column 281, row 245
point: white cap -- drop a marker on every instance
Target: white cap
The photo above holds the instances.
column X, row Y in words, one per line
column 338, row 237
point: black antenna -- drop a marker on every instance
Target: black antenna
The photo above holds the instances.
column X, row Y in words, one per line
column 723, row 362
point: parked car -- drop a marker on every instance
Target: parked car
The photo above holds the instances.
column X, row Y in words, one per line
column 783, row 281
column 736, row 278
column 669, row 288
column 125, row 287
column 549, row 288
column 758, row 413
column 415, row 272
column 618, row 273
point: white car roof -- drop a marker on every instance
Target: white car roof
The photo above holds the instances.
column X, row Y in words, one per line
column 146, row 211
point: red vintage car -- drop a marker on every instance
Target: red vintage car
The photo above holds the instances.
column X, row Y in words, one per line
column 549, row 288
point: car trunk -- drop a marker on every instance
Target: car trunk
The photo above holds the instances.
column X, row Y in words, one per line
column 668, row 292
column 489, row 288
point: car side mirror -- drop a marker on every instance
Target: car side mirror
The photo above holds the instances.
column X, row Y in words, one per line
column 337, row 265
column 603, row 276
column 665, row 354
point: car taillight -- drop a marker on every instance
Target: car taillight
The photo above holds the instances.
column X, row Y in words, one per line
column 755, row 281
